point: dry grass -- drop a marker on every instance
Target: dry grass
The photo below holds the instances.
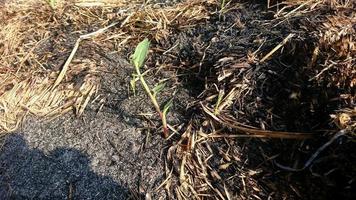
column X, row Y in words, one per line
column 28, row 74
column 35, row 95
column 156, row 23
column 327, row 54
column 28, row 83
column 27, row 86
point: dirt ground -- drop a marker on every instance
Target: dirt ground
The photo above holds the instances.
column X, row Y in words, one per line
column 105, row 154
column 101, row 155
column 115, row 149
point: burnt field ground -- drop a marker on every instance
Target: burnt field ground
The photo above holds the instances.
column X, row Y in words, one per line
column 263, row 99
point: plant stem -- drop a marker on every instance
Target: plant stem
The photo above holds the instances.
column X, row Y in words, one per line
column 164, row 125
column 154, row 101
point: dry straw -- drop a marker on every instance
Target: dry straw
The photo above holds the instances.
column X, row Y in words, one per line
column 31, row 84
column 26, row 86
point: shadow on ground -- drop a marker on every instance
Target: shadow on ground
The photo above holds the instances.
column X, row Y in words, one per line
column 63, row 173
column 102, row 153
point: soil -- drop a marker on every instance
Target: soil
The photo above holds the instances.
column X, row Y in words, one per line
column 101, row 155
column 108, row 153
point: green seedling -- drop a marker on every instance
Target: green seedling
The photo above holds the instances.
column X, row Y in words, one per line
column 138, row 60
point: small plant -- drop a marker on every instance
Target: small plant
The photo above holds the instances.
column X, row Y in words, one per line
column 138, row 60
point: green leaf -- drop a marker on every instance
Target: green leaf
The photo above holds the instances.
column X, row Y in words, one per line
column 52, row 3
column 141, row 51
column 167, row 106
column 159, row 87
